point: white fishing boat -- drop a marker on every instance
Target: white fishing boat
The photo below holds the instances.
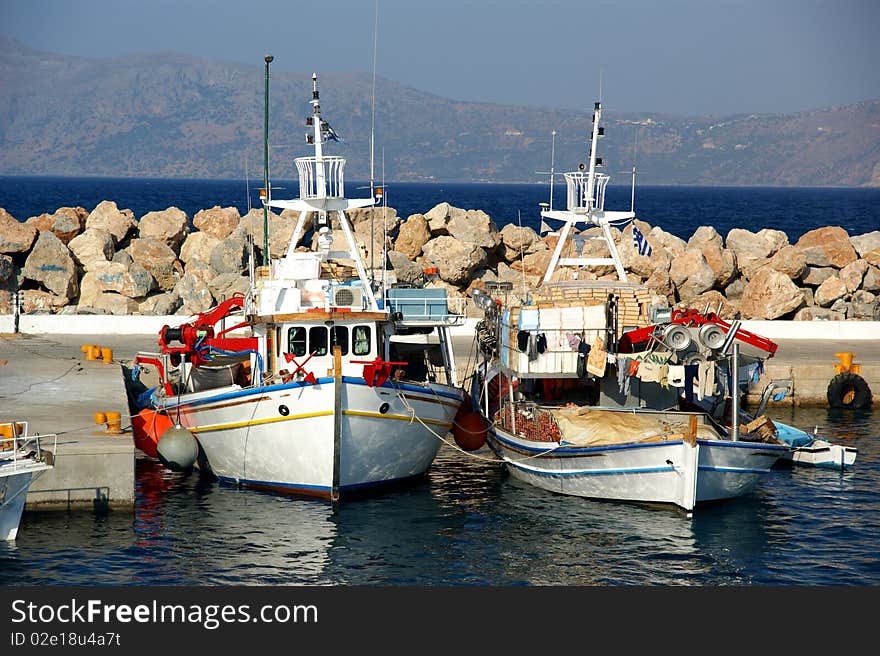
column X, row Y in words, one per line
column 332, row 380
column 550, row 381
column 22, row 460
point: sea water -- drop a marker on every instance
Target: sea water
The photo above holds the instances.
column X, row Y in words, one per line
column 678, row 210
column 469, row 523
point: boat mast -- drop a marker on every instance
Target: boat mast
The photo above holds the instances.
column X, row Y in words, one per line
column 266, row 196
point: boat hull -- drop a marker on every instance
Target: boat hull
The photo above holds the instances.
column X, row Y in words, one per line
column 282, row 437
column 13, row 493
column 670, row 472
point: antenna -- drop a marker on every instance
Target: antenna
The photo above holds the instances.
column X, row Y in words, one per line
column 373, row 148
column 552, row 163
column 632, row 200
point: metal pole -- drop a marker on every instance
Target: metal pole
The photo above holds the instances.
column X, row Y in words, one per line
column 337, row 425
column 269, row 59
column 734, row 393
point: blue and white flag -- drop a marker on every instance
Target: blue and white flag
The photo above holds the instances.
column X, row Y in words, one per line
column 329, row 133
column 641, row 244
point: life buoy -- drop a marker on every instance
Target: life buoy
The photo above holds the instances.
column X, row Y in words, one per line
column 849, row 390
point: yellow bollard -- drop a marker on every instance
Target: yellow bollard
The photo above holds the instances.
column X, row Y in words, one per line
column 100, row 418
column 846, row 363
column 114, row 423
column 107, row 355
column 87, row 350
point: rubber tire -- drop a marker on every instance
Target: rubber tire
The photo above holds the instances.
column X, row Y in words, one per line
column 839, row 386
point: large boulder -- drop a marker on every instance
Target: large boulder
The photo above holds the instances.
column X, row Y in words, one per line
column 722, row 261
column 852, row 275
column 827, row 247
column 227, row 285
column 790, row 261
column 93, row 246
column 412, row 236
column 866, row 243
column 113, row 303
column 815, row 276
column 769, row 295
column 475, row 227
column 642, row 265
column 107, row 216
column 280, row 232
column 36, row 301
column 51, row 264
column 871, row 281
column 134, row 282
column 872, row 257
column 228, row 256
column 455, row 260
column 748, row 247
column 194, row 294
column 156, row 256
column 382, row 218
column 15, row 237
column 691, row 274
column 438, row 217
column 170, row 225
column 674, row 245
column 163, row 303
column 776, row 239
column 375, row 243
column 706, row 235
column 66, row 222
column 829, row 291
column 519, row 241
column 198, row 246
column 405, row 270
column 219, row 221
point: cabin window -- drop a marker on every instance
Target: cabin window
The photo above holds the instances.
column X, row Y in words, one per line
column 296, row 341
column 339, row 337
column 318, row 340
column 360, row 338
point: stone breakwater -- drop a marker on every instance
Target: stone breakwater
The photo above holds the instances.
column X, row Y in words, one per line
column 107, row 261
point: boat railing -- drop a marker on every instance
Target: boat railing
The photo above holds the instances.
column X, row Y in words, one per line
column 18, row 450
column 580, row 199
column 321, row 177
column 419, row 306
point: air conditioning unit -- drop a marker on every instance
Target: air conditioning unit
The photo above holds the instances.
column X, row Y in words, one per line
column 347, row 296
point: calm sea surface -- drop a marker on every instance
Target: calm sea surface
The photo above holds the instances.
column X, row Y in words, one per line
column 468, row 523
column 679, row 210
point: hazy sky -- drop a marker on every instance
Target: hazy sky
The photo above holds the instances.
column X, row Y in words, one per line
column 675, row 56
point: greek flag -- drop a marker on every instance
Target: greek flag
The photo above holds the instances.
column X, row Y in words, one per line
column 641, row 244
column 329, row 133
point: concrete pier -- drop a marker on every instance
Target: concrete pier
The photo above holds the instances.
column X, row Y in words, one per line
column 47, row 382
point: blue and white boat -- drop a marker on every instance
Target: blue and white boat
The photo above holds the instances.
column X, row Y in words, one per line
column 331, row 381
column 548, row 384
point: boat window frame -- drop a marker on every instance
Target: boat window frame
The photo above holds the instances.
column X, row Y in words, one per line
column 326, row 341
column 368, row 338
column 339, row 329
column 304, row 343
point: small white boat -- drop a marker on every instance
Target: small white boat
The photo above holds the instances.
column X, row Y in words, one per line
column 22, row 460
column 561, row 344
column 812, row 451
column 327, row 384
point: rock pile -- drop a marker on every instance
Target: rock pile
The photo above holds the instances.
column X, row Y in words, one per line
column 107, row 261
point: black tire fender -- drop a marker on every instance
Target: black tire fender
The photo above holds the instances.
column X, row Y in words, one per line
column 849, row 384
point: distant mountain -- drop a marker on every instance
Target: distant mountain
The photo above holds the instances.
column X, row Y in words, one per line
column 171, row 115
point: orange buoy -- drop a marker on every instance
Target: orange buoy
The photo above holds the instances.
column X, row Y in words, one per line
column 469, row 429
column 147, row 427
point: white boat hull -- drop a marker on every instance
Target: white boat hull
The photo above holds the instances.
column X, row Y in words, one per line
column 282, row 437
column 673, row 472
column 820, row 453
column 13, row 493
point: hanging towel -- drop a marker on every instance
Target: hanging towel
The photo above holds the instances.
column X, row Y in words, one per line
column 649, row 372
column 596, row 361
column 634, row 367
column 664, row 376
column 676, row 375
column 533, row 347
column 528, row 319
column 522, row 340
